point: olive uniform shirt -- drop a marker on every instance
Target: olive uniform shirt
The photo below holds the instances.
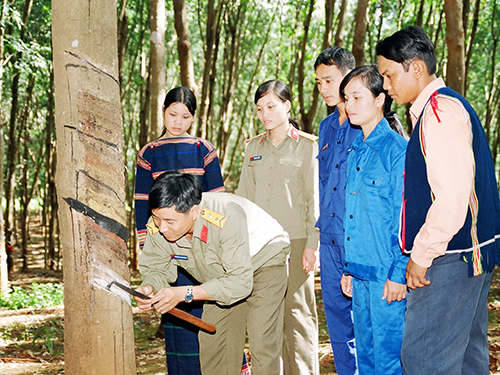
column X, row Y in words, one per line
column 284, row 181
column 232, row 238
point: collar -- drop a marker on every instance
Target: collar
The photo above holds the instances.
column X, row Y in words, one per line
column 422, row 99
column 376, row 139
column 335, row 123
column 292, row 133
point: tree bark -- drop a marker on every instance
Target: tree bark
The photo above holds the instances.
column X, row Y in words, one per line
column 470, row 43
column 328, row 37
column 306, row 116
column 4, row 276
column 98, row 332
column 157, row 67
column 235, row 27
column 122, row 37
column 358, row 43
column 339, row 35
column 24, row 183
column 13, row 149
column 420, row 14
column 184, row 46
column 50, row 197
column 211, row 47
column 455, row 40
column 490, row 94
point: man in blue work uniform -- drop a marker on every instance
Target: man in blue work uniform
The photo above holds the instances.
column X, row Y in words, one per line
column 335, row 137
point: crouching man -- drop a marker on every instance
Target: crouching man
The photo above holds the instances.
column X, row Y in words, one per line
column 237, row 252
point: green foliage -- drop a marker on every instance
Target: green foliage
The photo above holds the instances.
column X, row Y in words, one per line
column 271, row 33
column 38, row 296
column 48, row 334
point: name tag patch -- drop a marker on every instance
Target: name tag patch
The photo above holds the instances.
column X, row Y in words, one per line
column 179, row 257
column 253, row 158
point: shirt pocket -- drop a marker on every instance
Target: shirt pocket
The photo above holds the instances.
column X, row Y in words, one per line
column 256, row 165
column 376, row 185
column 323, row 160
column 290, row 167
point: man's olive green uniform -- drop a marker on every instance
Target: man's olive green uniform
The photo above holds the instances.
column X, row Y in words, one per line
column 238, row 255
column 283, row 180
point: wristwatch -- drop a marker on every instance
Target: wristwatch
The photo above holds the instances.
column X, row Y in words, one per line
column 189, row 294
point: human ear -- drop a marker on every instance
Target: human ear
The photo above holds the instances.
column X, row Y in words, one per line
column 419, row 68
column 380, row 100
column 194, row 211
column 288, row 106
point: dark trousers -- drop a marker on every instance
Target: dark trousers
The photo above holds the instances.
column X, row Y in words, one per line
column 338, row 310
column 181, row 338
column 446, row 322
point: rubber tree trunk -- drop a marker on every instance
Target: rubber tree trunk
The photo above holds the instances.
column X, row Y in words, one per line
column 455, row 41
column 4, row 279
column 157, row 68
column 98, row 324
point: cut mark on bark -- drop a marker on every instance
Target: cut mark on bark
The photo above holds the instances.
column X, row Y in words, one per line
column 94, row 137
column 104, row 222
column 92, row 65
column 100, row 183
column 102, row 283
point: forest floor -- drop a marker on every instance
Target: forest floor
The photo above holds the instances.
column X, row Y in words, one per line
column 31, row 340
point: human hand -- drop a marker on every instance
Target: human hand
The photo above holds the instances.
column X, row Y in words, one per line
column 415, row 275
column 167, row 298
column 145, row 304
column 346, row 285
column 310, row 259
column 394, row 291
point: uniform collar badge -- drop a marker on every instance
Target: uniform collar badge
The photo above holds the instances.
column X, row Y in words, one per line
column 204, row 233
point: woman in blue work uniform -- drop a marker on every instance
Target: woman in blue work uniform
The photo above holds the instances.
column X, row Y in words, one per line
column 280, row 174
column 374, row 264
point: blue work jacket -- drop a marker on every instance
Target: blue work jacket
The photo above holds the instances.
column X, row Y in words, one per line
column 373, row 205
column 333, row 143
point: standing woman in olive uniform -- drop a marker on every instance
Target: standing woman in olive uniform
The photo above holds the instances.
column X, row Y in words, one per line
column 280, row 174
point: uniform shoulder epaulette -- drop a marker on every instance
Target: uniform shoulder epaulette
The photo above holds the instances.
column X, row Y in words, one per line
column 256, row 137
column 311, row 137
column 152, row 228
column 213, row 217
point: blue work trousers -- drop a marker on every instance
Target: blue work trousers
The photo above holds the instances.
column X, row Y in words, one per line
column 378, row 327
column 447, row 322
column 338, row 310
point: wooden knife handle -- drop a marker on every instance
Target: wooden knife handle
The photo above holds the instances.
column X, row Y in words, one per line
column 209, row 327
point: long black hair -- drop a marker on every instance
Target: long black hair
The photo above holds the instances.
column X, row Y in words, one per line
column 180, row 95
column 373, row 80
column 281, row 90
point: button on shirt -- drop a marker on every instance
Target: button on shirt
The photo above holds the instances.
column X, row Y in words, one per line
column 373, row 204
column 334, row 141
